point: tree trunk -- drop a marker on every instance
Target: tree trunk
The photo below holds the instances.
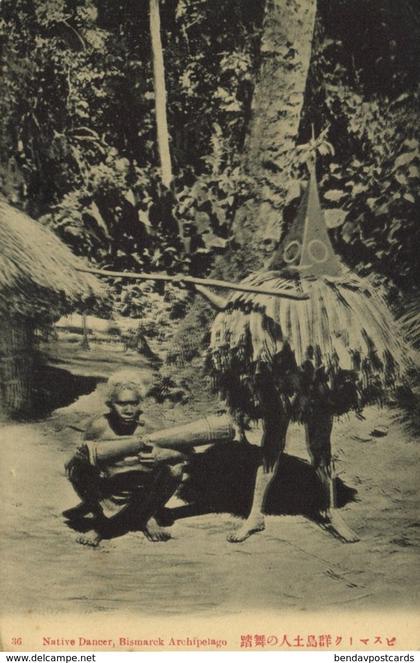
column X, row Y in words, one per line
column 276, row 109
column 269, row 148
column 160, row 94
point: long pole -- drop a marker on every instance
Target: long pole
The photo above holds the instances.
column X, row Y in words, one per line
column 213, row 283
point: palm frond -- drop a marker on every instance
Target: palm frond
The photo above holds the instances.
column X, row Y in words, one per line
column 410, row 321
column 345, row 325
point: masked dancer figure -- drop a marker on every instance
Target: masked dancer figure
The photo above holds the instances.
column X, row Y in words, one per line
column 277, row 360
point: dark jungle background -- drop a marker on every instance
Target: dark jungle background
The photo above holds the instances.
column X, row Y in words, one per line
column 79, row 148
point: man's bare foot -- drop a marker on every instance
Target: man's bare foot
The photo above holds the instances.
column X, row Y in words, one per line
column 153, row 531
column 91, row 539
column 251, row 525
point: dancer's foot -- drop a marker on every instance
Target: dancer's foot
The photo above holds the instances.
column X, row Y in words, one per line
column 251, row 525
column 153, row 531
column 333, row 522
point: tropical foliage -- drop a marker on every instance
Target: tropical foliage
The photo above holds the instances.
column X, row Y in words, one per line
column 78, row 131
column 365, row 92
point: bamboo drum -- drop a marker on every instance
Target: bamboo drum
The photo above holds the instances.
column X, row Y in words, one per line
column 209, row 430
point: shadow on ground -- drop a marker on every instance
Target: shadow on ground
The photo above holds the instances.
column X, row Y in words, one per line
column 222, row 479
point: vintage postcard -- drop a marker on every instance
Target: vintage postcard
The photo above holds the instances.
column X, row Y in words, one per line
column 209, row 307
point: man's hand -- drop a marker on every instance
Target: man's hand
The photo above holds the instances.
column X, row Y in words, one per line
column 156, row 455
column 219, row 303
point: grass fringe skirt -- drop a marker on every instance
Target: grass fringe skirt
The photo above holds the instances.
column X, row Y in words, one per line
column 337, row 350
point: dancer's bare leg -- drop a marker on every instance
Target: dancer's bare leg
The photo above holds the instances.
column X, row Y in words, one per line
column 255, row 521
column 275, row 424
column 318, row 439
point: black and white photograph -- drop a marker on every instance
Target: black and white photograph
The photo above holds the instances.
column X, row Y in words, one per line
column 209, row 325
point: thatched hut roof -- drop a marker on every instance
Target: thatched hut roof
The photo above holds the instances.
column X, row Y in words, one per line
column 38, row 278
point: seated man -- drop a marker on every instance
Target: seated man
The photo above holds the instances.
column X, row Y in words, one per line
column 131, row 489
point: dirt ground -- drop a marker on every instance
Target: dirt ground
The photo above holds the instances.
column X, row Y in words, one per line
column 292, row 565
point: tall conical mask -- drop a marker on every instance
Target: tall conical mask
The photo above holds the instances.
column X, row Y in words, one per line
column 306, row 247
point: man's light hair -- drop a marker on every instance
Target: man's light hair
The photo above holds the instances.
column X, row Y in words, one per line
column 125, row 379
